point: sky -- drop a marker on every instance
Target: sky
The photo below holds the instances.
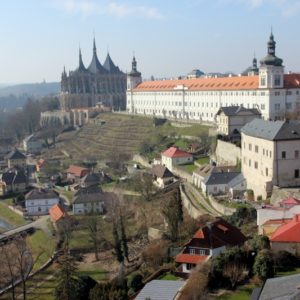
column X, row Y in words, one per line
column 168, row 37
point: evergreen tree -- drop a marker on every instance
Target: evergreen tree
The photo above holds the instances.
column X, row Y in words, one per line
column 117, row 245
column 123, row 238
column 69, row 285
column 264, row 264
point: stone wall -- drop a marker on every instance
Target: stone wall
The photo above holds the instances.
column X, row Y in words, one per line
column 227, row 153
column 222, row 209
column 193, row 211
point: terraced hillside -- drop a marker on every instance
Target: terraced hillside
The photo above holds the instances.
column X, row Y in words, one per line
column 119, row 134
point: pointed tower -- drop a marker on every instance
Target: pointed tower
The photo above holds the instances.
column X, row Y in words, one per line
column 95, row 65
column 271, row 71
column 134, row 77
column 81, row 67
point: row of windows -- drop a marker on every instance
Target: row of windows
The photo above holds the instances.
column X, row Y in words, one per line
column 296, row 154
column 265, row 152
column 174, row 113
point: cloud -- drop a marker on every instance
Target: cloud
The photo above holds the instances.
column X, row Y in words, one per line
column 87, row 8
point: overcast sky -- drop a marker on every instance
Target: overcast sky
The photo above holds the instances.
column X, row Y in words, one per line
column 168, row 37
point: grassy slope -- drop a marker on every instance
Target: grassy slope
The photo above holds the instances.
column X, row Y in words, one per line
column 9, row 216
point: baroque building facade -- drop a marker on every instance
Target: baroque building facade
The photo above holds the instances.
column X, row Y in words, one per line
column 85, row 87
column 267, row 88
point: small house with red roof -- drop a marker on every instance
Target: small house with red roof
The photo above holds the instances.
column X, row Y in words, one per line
column 287, row 237
column 270, row 226
column 174, row 157
column 57, row 213
column 76, row 172
column 208, row 241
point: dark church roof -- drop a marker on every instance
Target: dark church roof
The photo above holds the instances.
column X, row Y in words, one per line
column 110, row 66
column 95, row 65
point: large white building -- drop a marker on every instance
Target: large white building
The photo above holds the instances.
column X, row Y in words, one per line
column 271, row 91
column 270, row 155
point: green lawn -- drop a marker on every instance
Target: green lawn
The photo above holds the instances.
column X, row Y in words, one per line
column 242, row 293
column 168, row 276
column 203, row 160
column 286, row 273
column 191, row 130
column 96, row 274
column 9, row 216
column 80, row 239
column 190, row 168
column 42, row 247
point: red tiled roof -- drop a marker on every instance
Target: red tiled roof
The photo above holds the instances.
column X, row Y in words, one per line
column 292, row 81
column 217, row 234
column 190, row 259
column 56, row 212
column 288, row 232
column 214, row 84
column 175, row 152
column 290, row 200
column 202, row 84
column 277, row 221
column 77, row 171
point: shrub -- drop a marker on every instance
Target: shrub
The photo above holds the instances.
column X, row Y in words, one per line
column 264, row 265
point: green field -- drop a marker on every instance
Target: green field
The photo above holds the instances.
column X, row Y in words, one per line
column 242, row 293
column 203, row 160
column 9, row 216
column 169, row 276
column 42, row 247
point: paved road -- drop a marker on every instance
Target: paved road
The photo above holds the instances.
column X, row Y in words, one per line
column 40, row 223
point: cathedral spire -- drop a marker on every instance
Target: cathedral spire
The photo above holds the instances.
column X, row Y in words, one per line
column 81, row 66
column 95, row 65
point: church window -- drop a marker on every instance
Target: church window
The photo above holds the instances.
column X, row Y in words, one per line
column 263, row 81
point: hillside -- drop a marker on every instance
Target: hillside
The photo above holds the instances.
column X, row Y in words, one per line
column 119, row 135
column 31, row 89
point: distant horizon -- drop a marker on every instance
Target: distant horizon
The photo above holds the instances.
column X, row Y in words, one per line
column 169, row 38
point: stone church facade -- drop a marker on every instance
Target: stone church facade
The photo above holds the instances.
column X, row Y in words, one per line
column 85, row 87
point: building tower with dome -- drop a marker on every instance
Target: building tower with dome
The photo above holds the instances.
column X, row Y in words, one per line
column 85, row 87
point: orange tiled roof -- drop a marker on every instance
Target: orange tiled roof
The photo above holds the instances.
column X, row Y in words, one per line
column 290, row 201
column 288, row 232
column 202, row 84
column 190, row 259
column 175, row 152
column 199, row 234
column 56, row 212
column 77, row 171
column 215, row 84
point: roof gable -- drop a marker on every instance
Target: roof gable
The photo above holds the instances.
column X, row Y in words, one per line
column 173, row 152
column 288, row 232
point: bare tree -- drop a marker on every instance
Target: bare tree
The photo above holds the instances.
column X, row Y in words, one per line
column 235, row 272
column 92, row 224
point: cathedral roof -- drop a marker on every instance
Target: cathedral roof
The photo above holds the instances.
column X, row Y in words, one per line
column 110, row 66
column 95, row 65
column 81, row 67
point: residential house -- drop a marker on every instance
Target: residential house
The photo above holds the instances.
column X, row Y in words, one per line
column 208, row 241
column 222, row 183
column 16, row 159
column 270, row 226
column 231, row 119
column 94, row 179
column 204, row 171
column 174, row 157
column 278, row 288
column 13, row 181
column 39, row 201
column 161, row 290
column 32, row 144
column 57, row 213
column 162, row 176
column 268, row 212
column 286, row 237
column 89, row 200
column 76, row 173
column 270, row 155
